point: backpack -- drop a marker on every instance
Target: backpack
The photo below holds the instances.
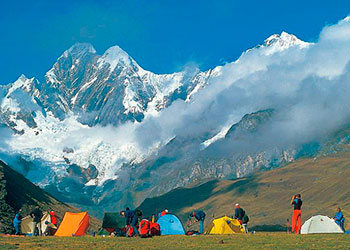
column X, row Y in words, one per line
column 145, row 228
column 130, row 231
column 155, row 229
column 245, row 218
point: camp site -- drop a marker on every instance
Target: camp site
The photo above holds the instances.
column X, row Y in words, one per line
column 174, row 124
column 169, row 221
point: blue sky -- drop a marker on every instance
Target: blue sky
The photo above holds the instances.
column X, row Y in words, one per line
column 162, row 36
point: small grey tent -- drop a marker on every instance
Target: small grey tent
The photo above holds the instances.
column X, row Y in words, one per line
column 320, row 224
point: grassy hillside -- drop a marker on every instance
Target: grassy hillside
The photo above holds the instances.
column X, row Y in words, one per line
column 16, row 192
column 323, row 183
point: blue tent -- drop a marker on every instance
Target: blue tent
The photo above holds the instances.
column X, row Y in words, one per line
column 170, row 225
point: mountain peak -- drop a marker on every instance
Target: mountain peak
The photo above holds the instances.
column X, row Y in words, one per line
column 113, row 55
column 22, row 78
column 284, row 40
column 78, row 49
column 345, row 20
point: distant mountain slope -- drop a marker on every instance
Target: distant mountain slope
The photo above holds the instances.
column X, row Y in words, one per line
column 323, row 183
column 16, row 192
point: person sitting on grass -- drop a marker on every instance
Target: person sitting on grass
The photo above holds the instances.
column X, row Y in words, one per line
column 131, row 220
column 339, row 219
column 198, row 215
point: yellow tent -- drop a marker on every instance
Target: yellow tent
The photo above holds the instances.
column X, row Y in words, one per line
column 73, row 224
column 225, row 225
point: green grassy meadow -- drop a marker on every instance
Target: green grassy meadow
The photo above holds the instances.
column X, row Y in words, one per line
column 257, row 241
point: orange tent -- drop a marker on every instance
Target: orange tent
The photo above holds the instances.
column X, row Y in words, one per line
column 73, row 224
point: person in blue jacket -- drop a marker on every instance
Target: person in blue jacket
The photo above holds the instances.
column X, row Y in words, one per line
column 131, row 219
column 199, row 215
column 17, row 224
column 339, row 218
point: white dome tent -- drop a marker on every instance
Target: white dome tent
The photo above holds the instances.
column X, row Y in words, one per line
column 320, row 224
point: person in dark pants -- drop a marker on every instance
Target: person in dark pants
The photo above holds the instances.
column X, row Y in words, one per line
column 131, row 219
column 241, row 216
column 36, row 214
column 199, row 215
column 296, row 219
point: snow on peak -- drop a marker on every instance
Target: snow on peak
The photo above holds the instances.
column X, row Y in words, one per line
column 278, row 43
column 345, row 20
column 284, row 40
column 79, row 49
column 22, row 82
column 113, row 56
column 22, row 78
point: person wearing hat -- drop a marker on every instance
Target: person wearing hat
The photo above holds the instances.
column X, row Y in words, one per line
column 241, row 216
column 198, row 215
column 339, row 219
column 239, row 212
column 164, row 212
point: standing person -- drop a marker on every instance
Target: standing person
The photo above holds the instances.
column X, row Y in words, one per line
column 36, row 214
column 198, row 215
column 339, row 219
column 241, row 216
column 296, row 220
column 53, row 218
column 17, row 224
column 131, row 220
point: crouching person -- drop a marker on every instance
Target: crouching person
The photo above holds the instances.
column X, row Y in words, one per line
column 198, row 215
column 131, row 220
column 339, row 219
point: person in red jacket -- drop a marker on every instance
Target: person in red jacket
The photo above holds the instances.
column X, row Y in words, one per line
column 164, row 212
column 53, row 218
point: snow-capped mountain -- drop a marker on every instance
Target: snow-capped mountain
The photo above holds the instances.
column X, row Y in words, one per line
column 112, row 88
column 100, row 129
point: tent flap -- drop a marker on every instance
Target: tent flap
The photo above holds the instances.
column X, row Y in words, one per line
column 73, row 224
column 225, row 225
column 27, row 223
column 170, row 225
